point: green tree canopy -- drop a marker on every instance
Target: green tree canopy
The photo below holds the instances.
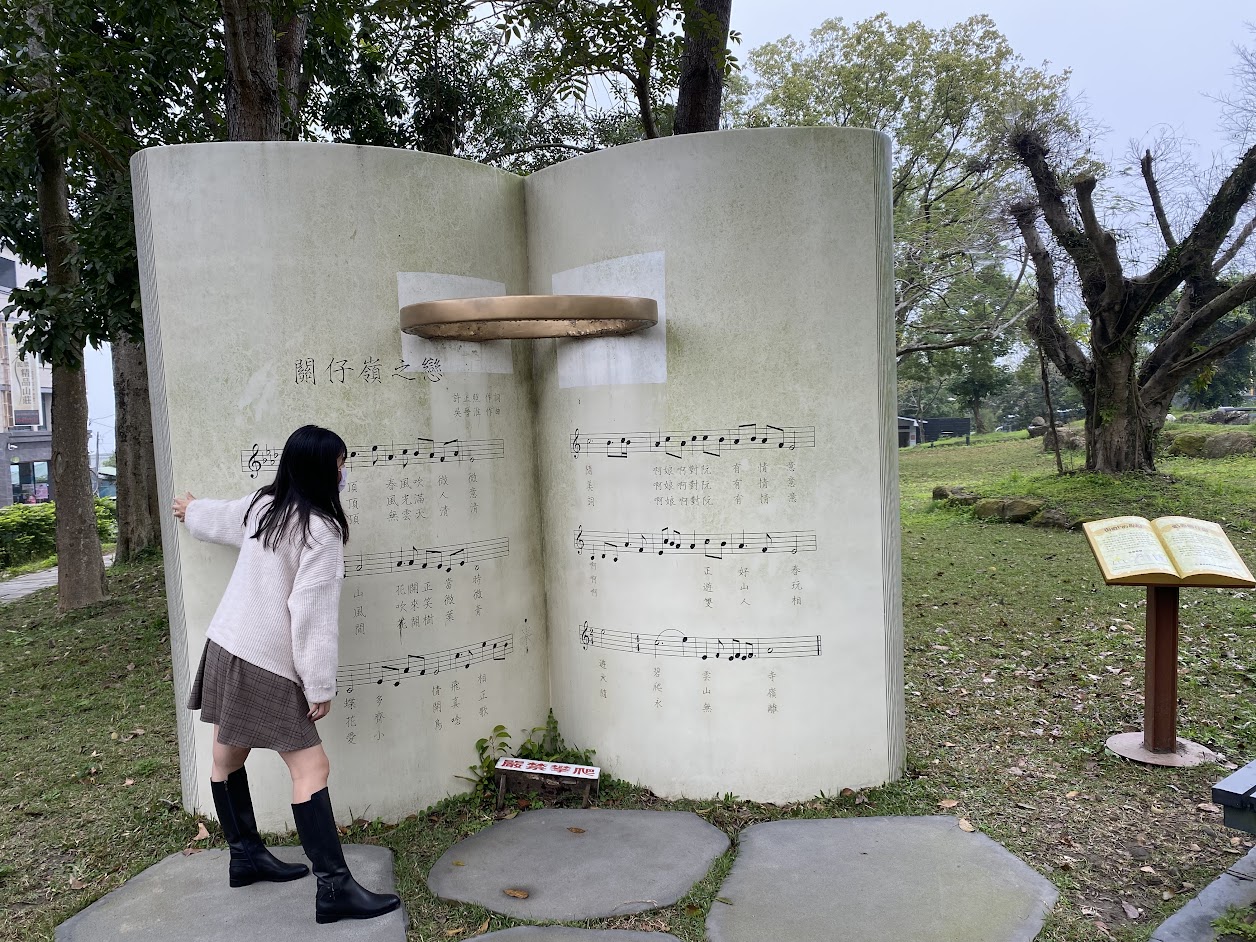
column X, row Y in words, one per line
column 945, row 97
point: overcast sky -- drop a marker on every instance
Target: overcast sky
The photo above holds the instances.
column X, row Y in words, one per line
column 1140, row 64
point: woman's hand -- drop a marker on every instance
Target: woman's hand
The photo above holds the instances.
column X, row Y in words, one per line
column 319, row 710
column 181, row 505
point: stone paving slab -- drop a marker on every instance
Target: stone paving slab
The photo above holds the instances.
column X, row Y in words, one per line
column 900, row 879
column 618, row 862
column 187, row 899
column 568, row 934
column 1193, row 922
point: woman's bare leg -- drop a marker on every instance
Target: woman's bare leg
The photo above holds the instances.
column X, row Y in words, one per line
column 308, row 768
column 226, row 759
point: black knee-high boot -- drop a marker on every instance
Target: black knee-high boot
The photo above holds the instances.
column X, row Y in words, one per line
column 339, row 895
column 251, row 862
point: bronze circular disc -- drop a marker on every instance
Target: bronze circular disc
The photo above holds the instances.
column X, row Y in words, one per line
column 527, row 316
column 1187, row 754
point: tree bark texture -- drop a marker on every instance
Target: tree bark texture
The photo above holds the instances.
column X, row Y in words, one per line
column 139, row 520
column 293, row 83
column 702, row 66
column 80, row 569
column 254, row 108
column 1127, row 397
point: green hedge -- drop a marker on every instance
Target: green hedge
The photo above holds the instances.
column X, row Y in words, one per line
column 29, row 531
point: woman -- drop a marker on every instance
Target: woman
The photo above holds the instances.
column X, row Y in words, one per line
column 268, row 672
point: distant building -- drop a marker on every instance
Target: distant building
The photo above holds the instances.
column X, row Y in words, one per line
column 25, row 408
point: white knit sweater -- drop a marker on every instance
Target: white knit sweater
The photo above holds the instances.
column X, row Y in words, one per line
column 281, row 608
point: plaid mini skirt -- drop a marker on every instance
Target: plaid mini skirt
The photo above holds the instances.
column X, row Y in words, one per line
column 251, row 707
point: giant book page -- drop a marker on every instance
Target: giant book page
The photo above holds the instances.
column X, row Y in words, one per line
column 720, row 492
column 272, row 276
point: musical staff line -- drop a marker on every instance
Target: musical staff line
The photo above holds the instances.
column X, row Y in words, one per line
column 610, row 544
column 679, row 443
column 395, row 670
column 261, row 458
column 430, row 557
column 671, row 642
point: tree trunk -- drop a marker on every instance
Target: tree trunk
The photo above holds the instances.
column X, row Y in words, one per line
column 139, row 520
column 80, row 569
column 702, row 67
column 289, row 47
column 1120, row 428
column 254, row 112
column 979, row 427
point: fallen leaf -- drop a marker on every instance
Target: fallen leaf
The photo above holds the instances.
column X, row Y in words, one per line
column 1209, row 807
column 459, row 863
column 510, row 814
column 113, row 735
column 201, row 832
column 1090, row 911
column 848, row 792
column 692, row 910
column 456, row 930
column 1148, row 870
column 726, row 902
column 77, row 884
column 966, row 825
column 1071, row 794
column 483, row 928
column 189, row 851
column 129, row 782
column 576, row 830
column 517, row 894
column 947, row 803
column 1131, row 912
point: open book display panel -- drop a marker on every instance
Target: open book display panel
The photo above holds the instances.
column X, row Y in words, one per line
column 683, row 540
column 1168, row 551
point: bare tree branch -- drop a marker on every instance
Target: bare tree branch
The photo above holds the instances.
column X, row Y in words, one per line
column 1044, row 324
column 1157, row 206
column 1031, row 147
column 1177, row 345
column 1103, row 241
column 1228, row 255
column 1165, row 382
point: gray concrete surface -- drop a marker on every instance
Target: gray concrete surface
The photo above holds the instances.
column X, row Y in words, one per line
column 567, row 934
column 1193, row 922
column 20, row 586
column 620, row 862
column 897, row 879
column 187, row 899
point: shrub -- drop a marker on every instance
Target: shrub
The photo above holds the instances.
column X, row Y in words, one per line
column 29, row 531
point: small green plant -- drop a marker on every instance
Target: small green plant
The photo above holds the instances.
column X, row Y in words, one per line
column 551, row 747
column 488, row 750
column 1236, row 923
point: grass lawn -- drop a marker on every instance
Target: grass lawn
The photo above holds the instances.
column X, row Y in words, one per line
column 1020, row 663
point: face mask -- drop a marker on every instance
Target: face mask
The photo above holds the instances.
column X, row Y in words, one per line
column 344, row 479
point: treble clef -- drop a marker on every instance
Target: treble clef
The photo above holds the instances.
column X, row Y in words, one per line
column 586, row 635
column 580, row 539
column 254, row 464
column 575, row 444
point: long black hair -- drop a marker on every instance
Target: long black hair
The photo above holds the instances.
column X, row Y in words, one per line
column 307, row 482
